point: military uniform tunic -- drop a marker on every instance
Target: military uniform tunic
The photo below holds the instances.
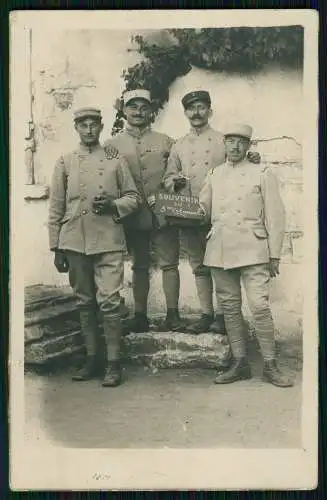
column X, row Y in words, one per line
column 247, row 215
column 78, row 177
column 146, row 152
column 194, row 155
column 93, row 243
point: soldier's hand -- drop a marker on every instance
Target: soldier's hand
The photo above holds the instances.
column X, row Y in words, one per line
column 104, row 204
column 179, row 182
column 110, row 151
column 61, row 262
column 254, row 157
column 274, row 267
column 151, row 200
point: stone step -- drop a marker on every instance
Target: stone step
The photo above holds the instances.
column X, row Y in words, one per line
column 52, row 332
column 157, row 350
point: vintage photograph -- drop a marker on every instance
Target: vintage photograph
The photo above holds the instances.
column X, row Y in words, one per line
column 160, row 228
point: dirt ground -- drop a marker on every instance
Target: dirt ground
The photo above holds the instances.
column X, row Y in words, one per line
column 167, row 408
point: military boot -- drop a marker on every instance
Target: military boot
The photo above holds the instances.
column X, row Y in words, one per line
column 218, row 326
column 112, row 327
column 90, row 332
column 88, row 371
column 238, row 370
column 201, row 326
column 112, row 377
column 138, row 324
column 173, row 322
column 272, row 374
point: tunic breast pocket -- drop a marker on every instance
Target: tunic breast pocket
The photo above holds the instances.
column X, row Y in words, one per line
column 253, row 204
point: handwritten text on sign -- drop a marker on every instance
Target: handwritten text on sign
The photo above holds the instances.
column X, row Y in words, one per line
column 177, row 205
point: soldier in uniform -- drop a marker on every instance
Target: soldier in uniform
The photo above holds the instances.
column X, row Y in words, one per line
column 91, row 194
column 146, row 152
column 190, row 160
column 243, row 203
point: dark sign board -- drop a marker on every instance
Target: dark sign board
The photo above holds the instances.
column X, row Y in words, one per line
column 178, row 205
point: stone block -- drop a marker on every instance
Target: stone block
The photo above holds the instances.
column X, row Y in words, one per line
column 47, row 350
column 156, row 350
column 177, row 350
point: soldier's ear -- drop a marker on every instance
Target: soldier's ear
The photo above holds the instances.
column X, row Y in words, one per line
column 210, row 113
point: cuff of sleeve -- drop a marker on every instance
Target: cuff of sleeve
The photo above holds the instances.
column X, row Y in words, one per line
column 116, row 214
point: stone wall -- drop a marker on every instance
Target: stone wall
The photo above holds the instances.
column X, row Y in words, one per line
column 71, row 69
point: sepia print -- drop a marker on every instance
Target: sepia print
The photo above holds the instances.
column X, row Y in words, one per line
column 164, row 250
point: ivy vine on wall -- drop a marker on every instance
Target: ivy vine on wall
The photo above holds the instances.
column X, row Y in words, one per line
column 172, row 53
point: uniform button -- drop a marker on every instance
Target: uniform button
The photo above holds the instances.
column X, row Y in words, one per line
column 207, row 150
column 206, row 163
column 84, row 212
column 209, row 139
column 100, row 187
column 193, row 163
column 238, row 211
column 100, row 173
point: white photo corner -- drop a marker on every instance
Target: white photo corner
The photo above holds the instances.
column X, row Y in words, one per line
column 164, row 249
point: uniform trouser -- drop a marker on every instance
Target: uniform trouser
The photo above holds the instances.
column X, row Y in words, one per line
column 256, row 284
column 165, row 243
column 96, row 281
column 194, row 242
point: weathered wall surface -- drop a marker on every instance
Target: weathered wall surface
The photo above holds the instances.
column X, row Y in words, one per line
column 73, row 69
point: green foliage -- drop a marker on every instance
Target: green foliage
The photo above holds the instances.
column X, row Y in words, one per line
column 242, row 50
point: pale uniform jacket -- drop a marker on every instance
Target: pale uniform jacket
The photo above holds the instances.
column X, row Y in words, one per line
column 194, row 155
column 77, row 178
column 247, row 215
column 146, row 153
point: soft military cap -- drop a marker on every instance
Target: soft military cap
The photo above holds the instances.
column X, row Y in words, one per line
column 239, row 130
column 136, row 94
column 87, row 113
column 196, row 95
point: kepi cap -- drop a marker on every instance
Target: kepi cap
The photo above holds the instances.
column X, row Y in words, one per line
column 136, row 94
column 239, row 130
column 196, row 95
column 89, row 112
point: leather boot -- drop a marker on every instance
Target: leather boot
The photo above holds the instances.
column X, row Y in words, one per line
column 112, row 327
column 173, row 322
column 201, row 326
column 218, row 326
column 88, row 371
column 112, row 376
column 138, row 324
column 238, row 370
column 272, row 374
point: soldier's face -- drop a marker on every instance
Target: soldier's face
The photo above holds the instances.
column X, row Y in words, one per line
column 89, row 130
column 198, row 113
column 138, row 112
column 236, row 148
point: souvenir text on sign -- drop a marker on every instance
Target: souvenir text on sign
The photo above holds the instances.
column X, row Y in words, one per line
column 178, row 205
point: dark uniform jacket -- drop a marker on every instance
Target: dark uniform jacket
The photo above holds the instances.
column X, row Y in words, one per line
column 147, row 154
